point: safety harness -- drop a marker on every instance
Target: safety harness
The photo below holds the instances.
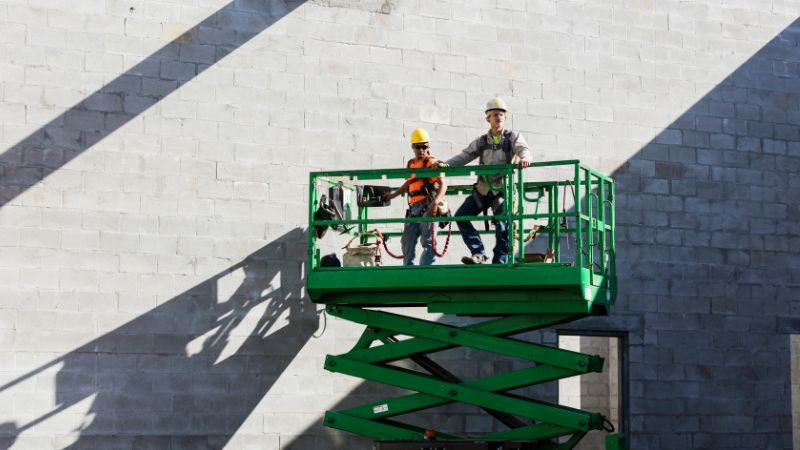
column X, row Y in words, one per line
column 491, row 199
column 506, row 143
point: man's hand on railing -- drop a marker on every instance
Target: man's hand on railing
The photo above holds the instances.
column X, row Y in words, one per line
column 441, row 164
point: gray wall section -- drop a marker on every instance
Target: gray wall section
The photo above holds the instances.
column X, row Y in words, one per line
column 154, row 156
column 125, row 97
column 708, row 249
column 145, row 391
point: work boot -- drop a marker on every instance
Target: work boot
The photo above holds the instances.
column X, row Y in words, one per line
column 474, row 259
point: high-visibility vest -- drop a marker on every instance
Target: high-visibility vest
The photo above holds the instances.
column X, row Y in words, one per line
column 421, row 188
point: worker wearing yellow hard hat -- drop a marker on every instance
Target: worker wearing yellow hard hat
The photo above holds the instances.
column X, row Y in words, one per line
column 497, row 146
column 419, row 136
column 424, row 197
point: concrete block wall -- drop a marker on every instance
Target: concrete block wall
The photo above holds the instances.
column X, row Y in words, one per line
column 795, row 387
column 153, row 197
column 597, row 392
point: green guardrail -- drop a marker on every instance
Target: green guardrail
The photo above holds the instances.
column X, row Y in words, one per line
column 573, row 213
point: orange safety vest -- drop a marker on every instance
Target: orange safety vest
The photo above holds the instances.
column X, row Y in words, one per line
column 421, row 188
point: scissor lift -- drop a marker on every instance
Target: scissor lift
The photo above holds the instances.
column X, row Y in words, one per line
column 511, row 299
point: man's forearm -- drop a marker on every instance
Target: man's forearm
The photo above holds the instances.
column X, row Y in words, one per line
column 465, row 157
column 399, row 191
column 458, row 160
column 441, row 192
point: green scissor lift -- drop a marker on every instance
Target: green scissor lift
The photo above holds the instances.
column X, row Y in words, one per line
column 510, row 299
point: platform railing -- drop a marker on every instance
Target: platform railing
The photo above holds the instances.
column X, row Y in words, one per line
column 586, row 223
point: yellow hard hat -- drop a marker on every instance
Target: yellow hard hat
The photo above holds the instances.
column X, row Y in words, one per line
column 419, row 135
column 496, row 103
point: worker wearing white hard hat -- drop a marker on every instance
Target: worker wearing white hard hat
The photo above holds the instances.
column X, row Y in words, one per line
column 497, row 146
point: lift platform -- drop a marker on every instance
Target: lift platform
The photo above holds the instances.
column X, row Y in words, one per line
column 565, row 207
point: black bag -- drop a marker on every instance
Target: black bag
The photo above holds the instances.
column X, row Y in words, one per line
column 372, row 196
column 330, row 261
column 327, row 210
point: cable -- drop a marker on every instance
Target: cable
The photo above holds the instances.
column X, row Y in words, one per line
column 433, row 239
column 446, row 242
column 324, row 324
column 564, row 224
column 385, row 247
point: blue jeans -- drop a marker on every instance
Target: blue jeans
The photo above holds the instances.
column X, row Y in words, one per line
column 471, row 237
column 421, row 231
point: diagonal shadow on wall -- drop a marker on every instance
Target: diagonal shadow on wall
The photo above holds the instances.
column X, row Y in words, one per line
column 151, row 392
column 708, row 263
column 112, row 106
column 708, row 258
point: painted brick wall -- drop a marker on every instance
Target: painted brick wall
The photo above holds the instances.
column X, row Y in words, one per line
column 153, row 197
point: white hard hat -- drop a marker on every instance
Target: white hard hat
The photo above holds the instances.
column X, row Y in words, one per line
column 496, row 103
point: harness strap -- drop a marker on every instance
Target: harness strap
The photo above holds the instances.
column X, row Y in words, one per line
column 497, row 200
column 422, row 191
column 506, row 146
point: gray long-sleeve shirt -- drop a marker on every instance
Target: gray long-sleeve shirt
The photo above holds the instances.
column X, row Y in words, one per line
column 521, row 152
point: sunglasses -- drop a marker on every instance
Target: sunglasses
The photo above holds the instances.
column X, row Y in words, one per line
column 420, row 146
